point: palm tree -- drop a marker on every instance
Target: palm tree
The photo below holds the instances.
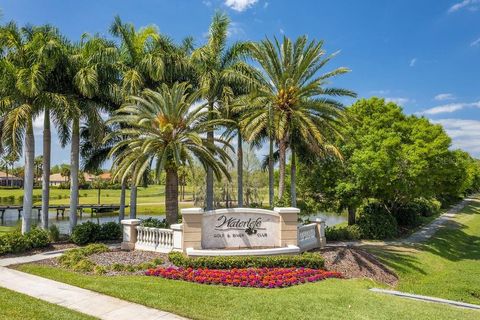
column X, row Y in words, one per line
column 162, row 127
column 92, row 88
column 25, row 67
column 301, row 105
column 222, row 75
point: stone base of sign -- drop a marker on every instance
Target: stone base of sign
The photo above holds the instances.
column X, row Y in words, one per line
column 129, row 233
column 291, row 249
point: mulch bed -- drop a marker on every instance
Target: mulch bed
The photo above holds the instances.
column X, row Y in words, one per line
column 357, row 263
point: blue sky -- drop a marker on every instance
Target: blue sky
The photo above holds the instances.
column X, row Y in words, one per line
column 424, row 55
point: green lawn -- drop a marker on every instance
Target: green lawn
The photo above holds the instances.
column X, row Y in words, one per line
column 330, row 299
column 16, row 306
column 447, row 266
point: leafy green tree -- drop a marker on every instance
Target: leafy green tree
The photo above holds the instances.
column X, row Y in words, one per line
column 295, row 96
column 162, row 128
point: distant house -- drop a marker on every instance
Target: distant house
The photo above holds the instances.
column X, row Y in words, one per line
column 106, row 176
column 57, row 179
column 11, row 180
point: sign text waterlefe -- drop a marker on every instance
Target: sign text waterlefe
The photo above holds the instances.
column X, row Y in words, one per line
column 248, row 229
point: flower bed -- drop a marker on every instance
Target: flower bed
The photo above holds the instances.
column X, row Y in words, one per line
column 252, row 277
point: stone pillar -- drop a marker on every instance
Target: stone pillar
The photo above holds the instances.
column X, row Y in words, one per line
column 320, row 232
column 192, row 228
column 177, row 237
column 129, row 233
column 288, row 225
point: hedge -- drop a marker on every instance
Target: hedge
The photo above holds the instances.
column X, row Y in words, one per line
column 306, row 260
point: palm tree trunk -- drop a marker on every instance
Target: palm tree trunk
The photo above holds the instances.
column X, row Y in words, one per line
column 133, row 201
column 240, row 170
column 171, row 195
column 282, row 146
column 47, row 143
column 28, row 177
column 121, row 211
column 209, row 177
column 74, row 168
column 293, row 180
column 271, row 182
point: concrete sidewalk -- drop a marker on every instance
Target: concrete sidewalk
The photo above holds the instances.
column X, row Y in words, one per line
column 78, row 299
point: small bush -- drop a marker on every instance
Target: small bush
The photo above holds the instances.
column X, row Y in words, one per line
column 54, row 233
column 428, row 207
column 375, row 222
column 85, row 233
column 343, row 233
column 154, row 223
column 15, row 242
column 72, row 258
column 110, row 231
column 306, row 260
column 37, row 238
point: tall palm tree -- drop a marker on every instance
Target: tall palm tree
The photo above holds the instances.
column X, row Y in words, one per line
column 93, row 86
column 161, row 127
column 295, row 90
column 222, row 74
column 25, row 67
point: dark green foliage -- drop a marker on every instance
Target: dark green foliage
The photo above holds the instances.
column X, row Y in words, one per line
column 110, row 231
column 427, row 207
column 343, row 233
column 37, row 238
column 15, row 242
column 86, row 232
column 154, row 223
column 408, row 215
column 376, row 222
column 307, row 260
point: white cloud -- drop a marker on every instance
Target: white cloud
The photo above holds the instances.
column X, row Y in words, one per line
column 380, row 92
column 413, row 62
column 475, row 43
column 240, row 5
column 265, row 6
column 398, row 100
column 282, row 31
column 235, row 29
column 471, row 5
column 444, row 96
column 449, row 108
column 465, row 134
column 207, row 3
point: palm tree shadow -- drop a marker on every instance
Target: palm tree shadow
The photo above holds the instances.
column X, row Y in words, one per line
column 399, row 259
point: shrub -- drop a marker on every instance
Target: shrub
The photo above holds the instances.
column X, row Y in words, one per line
column 343, row 233
column 72, row 258
column 306, row 260
column 154, row 223
column 428, row 207
column 54, row 233
column 375, row 222
column 15, row 242
column 110, row 231
column 37, row 238
column 85, row 233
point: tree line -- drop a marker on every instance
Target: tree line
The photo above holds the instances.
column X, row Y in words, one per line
column 165, row 103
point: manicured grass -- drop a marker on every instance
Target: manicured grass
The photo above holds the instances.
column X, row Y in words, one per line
column 16, row 306
column 329, row 299
column 447, row 266
column 4, row 230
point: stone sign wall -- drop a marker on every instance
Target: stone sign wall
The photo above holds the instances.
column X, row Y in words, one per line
column 237, row 228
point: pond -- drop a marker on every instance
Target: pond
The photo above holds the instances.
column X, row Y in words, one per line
column 11, row 218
